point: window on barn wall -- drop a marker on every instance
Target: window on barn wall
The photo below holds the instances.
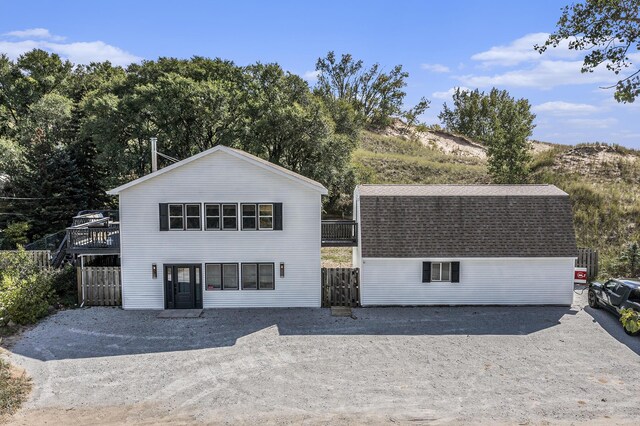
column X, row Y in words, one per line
column 441, row 271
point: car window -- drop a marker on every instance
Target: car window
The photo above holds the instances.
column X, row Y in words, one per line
column 620, row 288
column 635, row 296
column 610, row 284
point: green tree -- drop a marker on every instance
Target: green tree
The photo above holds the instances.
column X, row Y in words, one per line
column 375, row 95
column 289, row 126
column 14, row 235
column 501, row 122
column 43, row 187
column 609, row 31
column 631, row 257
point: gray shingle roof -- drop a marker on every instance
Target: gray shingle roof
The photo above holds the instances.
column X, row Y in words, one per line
column 466, row 221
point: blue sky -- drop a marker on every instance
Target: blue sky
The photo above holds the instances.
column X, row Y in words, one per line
column 441, row 44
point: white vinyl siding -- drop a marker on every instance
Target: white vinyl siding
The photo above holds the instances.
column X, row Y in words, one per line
column 483, row 281
column 221, row 178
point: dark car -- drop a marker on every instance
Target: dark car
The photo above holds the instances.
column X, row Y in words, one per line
column 615, row 295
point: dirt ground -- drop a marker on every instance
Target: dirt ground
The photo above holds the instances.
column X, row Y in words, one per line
column 435, row 365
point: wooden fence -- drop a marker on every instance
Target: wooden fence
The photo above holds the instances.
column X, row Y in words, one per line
column 42, row 258
column 588, row 258
column 340, row 287
column 99, row 286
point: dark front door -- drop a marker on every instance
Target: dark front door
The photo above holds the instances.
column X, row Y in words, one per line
column 183, row 289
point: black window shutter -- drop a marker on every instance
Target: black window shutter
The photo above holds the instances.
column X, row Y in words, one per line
column 277, row 216
column 455, row 272
column 164, row 217
column 426, row 272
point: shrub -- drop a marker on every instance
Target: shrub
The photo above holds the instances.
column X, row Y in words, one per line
column 63, row 283
column 24, row 300
column 630, row 320
column 25, row 290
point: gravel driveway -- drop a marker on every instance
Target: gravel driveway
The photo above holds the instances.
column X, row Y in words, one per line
column 438, row 364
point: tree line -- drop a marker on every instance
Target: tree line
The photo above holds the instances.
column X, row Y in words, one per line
column 69, row 132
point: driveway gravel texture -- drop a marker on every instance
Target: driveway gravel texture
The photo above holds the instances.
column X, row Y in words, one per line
column 418, row 365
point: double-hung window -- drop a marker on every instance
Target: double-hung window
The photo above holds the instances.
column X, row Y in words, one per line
column 212, row 216
column 221, row 276
column 266, row 216
column 441, row 271
column 192, row 215
column 229, row 216
column 176, row 217
column 249, row 217
column 258, row 276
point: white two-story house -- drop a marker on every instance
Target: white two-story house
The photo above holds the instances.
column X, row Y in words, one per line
column 220, row 229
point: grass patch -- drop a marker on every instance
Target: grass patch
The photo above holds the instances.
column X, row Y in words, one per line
column 14, row 388
column 407, row 169
column 336, row 257
column 381, row 144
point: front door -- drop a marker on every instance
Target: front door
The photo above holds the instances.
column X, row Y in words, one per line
column 182, row 286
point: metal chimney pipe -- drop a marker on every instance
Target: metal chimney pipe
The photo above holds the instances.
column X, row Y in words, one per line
column 154, row 154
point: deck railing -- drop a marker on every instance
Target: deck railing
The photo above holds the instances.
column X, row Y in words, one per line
column 97, row 237
column 86, row 218
column 337, row 233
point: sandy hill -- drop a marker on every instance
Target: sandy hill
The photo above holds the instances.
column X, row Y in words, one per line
column 602, row 180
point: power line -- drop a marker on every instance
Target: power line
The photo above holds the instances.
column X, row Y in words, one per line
column 33, row 198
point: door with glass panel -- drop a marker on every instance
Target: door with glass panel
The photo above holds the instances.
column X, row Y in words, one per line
column 183, row 289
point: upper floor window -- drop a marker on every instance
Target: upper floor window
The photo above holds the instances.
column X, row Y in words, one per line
column 229, row 216
column 192, row 215
column 266, row 216
column 220, row 216
column 176, row 216
column 249, row 217
column 212, row 216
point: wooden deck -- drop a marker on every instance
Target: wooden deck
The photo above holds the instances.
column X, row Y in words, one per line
column 93, row 235
column 339, row 233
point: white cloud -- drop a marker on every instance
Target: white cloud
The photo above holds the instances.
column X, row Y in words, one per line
column 447, row 95
column 558, row 66
column 522, row 50
column 38, row 33
column 438, row 68
column 311, row 76
column 591, row 123
column 565, row 108
column 546, row 74
column 76, row 52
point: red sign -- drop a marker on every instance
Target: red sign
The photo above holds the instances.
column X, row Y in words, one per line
column 580, row 276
